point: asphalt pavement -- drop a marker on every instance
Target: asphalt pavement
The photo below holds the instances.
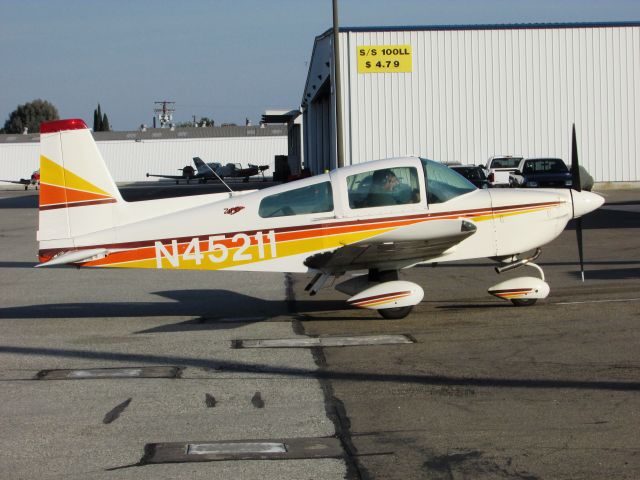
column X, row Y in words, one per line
column 117, row 374
column 84, row 395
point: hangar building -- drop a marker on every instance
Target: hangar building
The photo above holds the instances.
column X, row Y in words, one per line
column 130, row 155
column 465, row 93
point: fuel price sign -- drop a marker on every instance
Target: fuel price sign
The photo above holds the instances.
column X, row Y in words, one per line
column 384, row 59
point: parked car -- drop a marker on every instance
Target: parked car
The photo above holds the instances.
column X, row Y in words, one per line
column 474, row 173
column 541, row 172
column 499, row 168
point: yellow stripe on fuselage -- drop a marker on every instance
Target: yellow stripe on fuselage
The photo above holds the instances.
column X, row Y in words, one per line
column 284, row 249
column 287, row 248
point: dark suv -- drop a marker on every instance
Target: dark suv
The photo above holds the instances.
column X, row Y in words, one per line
column 541, row 172
column 475, row 174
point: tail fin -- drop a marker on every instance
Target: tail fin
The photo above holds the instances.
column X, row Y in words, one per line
column 77, row 193
column 202, row 168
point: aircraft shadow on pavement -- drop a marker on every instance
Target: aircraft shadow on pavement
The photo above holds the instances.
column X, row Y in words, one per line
column 18, row 264
column 608, row 218
column 488, row 381
column 212, row 309
column 22, row 201
column 610, row 274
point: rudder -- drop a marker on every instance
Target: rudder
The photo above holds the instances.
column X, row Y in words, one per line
column 77, row 193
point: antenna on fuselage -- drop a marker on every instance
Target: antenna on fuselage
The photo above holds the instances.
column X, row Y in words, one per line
column 219, row 178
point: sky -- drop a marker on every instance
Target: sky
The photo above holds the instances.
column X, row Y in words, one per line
column 224, row 59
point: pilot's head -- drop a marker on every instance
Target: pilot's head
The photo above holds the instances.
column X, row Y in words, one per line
column 385, row 180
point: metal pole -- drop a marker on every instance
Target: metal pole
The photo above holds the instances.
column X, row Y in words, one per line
column 338, row 87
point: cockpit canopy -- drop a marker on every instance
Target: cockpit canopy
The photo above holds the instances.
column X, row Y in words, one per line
column 443, row 184
column 387, row 184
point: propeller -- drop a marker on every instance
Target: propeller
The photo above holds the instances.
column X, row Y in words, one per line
column 577, row 186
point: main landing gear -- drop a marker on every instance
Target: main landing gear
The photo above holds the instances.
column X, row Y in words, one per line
column 378, row 290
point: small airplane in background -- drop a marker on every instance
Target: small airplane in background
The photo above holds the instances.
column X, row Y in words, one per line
column 231, row 170
column 214, row 171
column 377, row 217
column 27, row 182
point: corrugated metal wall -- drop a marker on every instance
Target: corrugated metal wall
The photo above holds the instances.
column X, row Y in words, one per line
column 129, row 161
column 473, row 93
column 18, row 160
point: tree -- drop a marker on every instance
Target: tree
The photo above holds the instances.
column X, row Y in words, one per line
column 100, row 121
column 97, row 120
column 30, row 115
column 203, row 122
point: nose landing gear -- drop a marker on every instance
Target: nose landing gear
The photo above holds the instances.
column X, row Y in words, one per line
column 521, row 291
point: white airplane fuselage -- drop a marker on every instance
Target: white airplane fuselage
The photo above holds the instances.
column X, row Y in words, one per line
column 380, row 216
column 508, row 222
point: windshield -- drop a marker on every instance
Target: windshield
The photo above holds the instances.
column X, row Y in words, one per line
column 545, row 165
column 443, row 183
column 505, row 162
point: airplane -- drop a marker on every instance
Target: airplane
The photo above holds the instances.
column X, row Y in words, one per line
column 214, row 171
column 33, row 180
column 230, row 170
column 377, row 217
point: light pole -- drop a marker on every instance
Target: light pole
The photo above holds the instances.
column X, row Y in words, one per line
column 338, row 87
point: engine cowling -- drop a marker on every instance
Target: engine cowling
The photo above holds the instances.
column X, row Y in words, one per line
column 394, row 294
column 521, row 288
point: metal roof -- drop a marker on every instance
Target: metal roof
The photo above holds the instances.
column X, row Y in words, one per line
column 280, row 116
column 435, row 28
column 494, row 26
column 166, row 134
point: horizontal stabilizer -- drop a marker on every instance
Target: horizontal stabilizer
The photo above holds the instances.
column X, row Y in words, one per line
column 75, row 256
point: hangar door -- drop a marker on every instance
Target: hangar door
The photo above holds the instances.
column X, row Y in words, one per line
column 318, row 123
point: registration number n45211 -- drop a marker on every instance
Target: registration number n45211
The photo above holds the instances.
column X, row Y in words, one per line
column 218, row 249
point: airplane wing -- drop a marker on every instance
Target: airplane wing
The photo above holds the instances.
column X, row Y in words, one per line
column 22, row 181
column 172, row 177
column 397, row 249
column 188, row 173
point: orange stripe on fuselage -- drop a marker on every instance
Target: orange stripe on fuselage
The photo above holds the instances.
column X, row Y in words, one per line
column 145, row 250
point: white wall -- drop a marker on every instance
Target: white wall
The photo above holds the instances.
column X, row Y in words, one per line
column 129, row 161
column 476, row 93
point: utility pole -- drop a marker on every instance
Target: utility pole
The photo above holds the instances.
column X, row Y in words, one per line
column 338, row 87
column 165, row 110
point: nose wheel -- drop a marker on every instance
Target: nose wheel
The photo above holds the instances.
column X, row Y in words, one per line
column 395, row 313
column 523, row 302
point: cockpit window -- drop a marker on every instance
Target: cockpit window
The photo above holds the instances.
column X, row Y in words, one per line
column 315, row 198
column 383, row 187
column 443, row 183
